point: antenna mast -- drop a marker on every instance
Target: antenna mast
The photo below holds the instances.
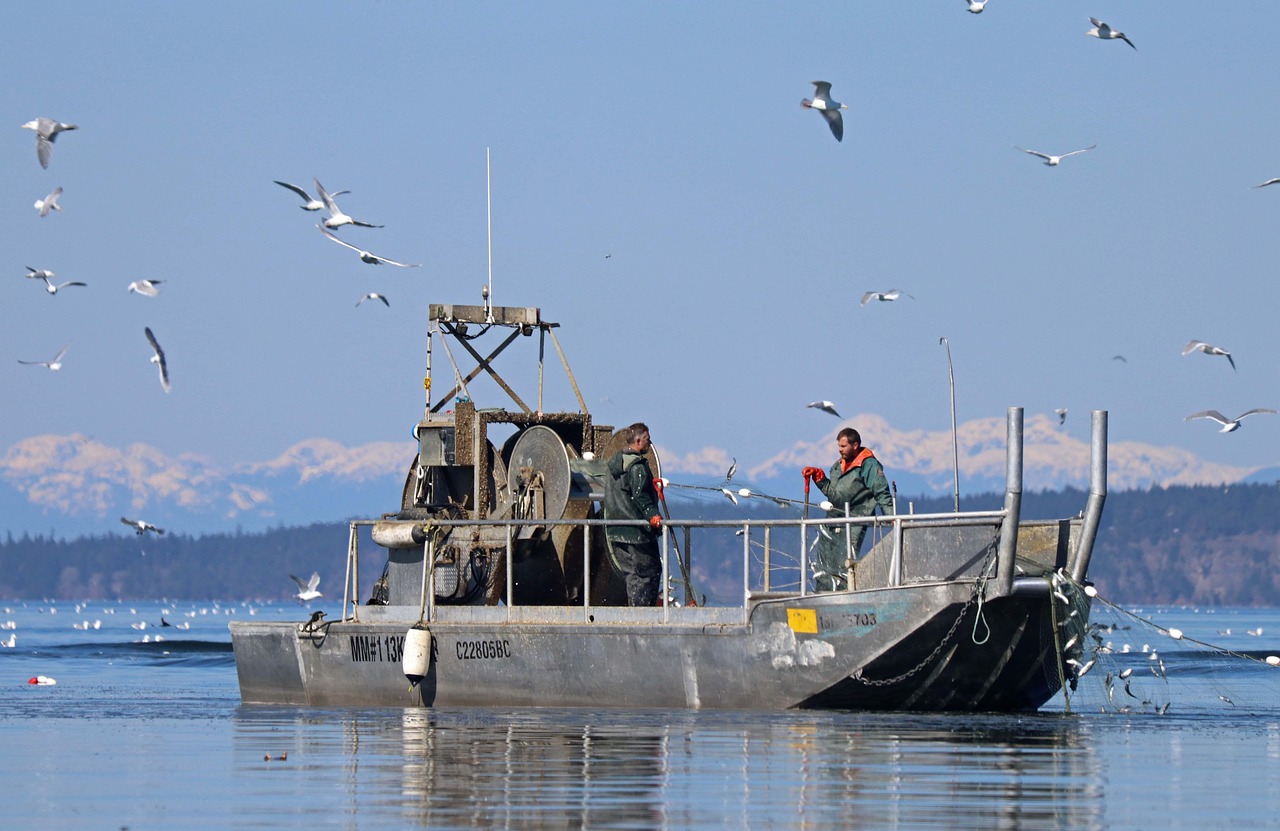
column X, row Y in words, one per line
column 488, row 204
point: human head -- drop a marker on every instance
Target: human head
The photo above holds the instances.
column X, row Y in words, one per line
column 848, row 442
column 638, row 437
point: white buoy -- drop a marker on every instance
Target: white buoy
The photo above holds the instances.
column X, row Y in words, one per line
column 417, row 654
column 1273, row 661
column 1176, row 634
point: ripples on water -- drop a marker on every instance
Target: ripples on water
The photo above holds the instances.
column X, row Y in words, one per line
column 153, row 736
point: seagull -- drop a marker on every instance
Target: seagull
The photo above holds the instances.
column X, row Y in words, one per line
column 830, row 109
column 53, row 287
column 10, row 642
column 147, row 288
column 1062, row 415
column 1201, row 346
column 336, row 217
column 41, row 274
column 733, row 497
column 54, row 365
column 365, row 256
column 49, row 203
column 976, row 6
column 46, row 131
column 1268, row 182
column 312, row 204
column 141, row 527
column 733, row 468
column 1105, row 32
column 158, row 359
column 1120, row 358
column 825, row 406
column 373, row 295
column 307, row 590
column 891, row 294
column 1229, row 425
column 1054, row 161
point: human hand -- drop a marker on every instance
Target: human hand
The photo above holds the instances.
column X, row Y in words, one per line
column 658, row 484
column 815, row 474
column 655, row 522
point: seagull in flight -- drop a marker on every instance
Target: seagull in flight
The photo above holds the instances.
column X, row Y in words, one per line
column 336, row 217
column 1229, row 425
column 891, row 294
column 733, row 468
column 373, row 295
column 310, row 202
column 52, row 366
column 158, row 359
column 976, row 6
column 147, row 288
column 365, row 256
column 49, row 203
column 825, row 406
column 1120, row 358
column 1054, row 161
column 1105, row 32
column 46, row 130
column 308, row 590
column 141, row 527
column 1062, row 415
column 830, row 109
column 1201, row 346
column 53, row 287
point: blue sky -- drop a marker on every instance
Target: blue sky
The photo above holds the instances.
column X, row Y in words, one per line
column 740, row 236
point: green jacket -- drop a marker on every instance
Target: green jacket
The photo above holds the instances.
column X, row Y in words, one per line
column 629, row 494
column 863, row 487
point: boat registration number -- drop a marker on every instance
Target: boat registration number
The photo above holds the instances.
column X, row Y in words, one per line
column 374, row 648
column 473, row 650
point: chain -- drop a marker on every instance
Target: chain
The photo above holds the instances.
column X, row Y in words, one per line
column 979, row 590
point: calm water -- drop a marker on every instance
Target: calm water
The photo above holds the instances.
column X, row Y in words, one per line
column 153, row 736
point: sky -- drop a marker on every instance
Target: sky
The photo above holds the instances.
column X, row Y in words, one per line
column 658, row 191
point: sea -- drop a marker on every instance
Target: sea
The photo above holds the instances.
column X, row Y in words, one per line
column 144, row 729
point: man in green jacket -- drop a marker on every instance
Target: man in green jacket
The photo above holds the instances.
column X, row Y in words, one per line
column 855, row 483
column 630, row 494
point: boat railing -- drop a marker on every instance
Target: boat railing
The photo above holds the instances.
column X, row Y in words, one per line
column 775, row 559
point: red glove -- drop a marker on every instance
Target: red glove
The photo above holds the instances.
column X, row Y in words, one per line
column 655, row 522
column 816, row 474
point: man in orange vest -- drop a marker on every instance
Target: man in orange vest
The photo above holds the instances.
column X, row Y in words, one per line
column 855, row 483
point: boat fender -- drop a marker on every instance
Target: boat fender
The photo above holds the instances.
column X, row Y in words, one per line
column 417, row 654
column 399, row 534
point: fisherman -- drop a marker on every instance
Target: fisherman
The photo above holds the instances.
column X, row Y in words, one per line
column 855, row 483
column 631, row 494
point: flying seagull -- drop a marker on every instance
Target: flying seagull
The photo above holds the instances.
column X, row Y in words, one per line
column 373, row 295
column 1120, row 358
column 54, row 365
column 891, row 294
column 1201, row 346
column 310, row 202
column 733, row 468
column 39, row 274
column 830, row 109
column 158, row 359
column 308, row 590
column 1105, row 32
column 336, row 217
column 825, row 406
column 1229, row 425
column 141, row 527
column 1268, row 182
column 53, row 287
column 146, row 288
column 46, row 132
column 1062, row 415
column 365, row 256
column 976, row 6
column 1054, row 161
column 49, row 203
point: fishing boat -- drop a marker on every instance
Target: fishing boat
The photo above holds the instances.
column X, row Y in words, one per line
column 496, row 587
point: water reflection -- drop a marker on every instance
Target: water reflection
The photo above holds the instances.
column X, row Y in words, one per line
column 570, row 768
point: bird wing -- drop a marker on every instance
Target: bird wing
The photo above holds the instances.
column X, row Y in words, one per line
column 866, row 298
column 393, row 262
column 1096, row 22
column 305, row 196
column 43, row 148
column 1126, row 40
column 301, row 585
column 365, row 224
column 821, row 89
column 314, row 582
column 334, row 237
column 131, row 523
column 385, row 301
column 1077, row 152
column 1032, row 152
column 326, row 198
column 1255, row 410
column 71, row 283
column 155, row 345
column 34, row 363
column 1213, row 414
column 60, row 354
column 835, row 121
column 164, row 366
column 1192, row 346
column 1268, row 182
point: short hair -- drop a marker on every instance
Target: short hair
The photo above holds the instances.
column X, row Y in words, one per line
column 851, row 434
column 635, row 431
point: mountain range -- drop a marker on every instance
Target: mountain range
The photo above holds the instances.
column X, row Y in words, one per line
column 74, row 485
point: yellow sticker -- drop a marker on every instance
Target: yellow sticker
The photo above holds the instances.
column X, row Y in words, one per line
column 426, row 383
column 803, row 620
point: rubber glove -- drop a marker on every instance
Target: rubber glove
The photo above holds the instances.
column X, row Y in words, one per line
column 815, row 474
column 655, row 522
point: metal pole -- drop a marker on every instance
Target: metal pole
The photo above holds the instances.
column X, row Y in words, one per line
column 955, row 445
column 1008, row 545
column 1097, row 496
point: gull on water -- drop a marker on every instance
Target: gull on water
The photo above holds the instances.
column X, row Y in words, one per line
column 1229, row 425
column 365, row 256
column 147, row 288
column 141, row 527
column 830, row 109
column 308, row 590
column 1054, row 161
column 884, row 296
column 310, row 202
column 373, row 295
column 52, row 366
column 46, row 130
column 976, row 6
column 1201, row 346
column 50, row 202
column 158, row 359
column 336, row 217
column 825, row 406
column 1105, row 32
